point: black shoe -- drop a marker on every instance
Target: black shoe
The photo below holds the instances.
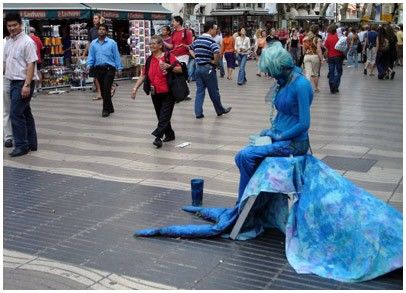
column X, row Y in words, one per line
column 200, row 116
column 19, row 152
column 111, row 111
column 169, row 138
column 187, row 98
column 157, row 142
column 228, row 109
column 8, row 143
column 332, row 91
column 365, row 71
column 33, row 149
column 392, row 75
column 105, row 114
column 337, row 91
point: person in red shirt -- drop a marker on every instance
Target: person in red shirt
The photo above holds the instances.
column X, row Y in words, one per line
column 181, row 40
column 39, row 45
column 334, row 59
column 156, row 81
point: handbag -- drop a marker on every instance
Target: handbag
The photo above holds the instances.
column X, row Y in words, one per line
column 177, row 81
column 341, row 45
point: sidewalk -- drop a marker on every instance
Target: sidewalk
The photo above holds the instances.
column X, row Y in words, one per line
column 71, row 207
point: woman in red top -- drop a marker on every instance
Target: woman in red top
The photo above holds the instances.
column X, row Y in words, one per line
column 160, row 92
column 334, row 59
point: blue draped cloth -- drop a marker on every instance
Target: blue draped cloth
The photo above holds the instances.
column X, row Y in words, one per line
column 334, row 228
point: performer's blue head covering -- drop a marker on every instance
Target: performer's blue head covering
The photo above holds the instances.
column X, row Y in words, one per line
column 277, row 62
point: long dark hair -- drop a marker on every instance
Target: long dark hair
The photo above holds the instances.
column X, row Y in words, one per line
column 390, row 34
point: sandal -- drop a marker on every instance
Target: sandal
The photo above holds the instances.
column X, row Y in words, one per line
column 113, row 89
column 97, row 98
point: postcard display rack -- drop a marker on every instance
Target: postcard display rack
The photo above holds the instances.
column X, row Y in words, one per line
column 54, row 73
column 79, row 39
column 140, row 37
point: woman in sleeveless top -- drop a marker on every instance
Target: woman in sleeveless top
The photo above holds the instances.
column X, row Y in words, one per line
column 293, row 46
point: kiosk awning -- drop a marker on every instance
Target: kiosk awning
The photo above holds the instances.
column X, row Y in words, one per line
column 49, row 10
column 151, row 11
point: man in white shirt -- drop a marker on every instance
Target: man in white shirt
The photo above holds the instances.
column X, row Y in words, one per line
column 20, row 59
column 7, row 131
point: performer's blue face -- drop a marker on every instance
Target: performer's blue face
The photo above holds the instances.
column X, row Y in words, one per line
column 282, row 77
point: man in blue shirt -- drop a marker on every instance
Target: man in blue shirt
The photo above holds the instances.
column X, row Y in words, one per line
column 105, row 59
column 207, row 54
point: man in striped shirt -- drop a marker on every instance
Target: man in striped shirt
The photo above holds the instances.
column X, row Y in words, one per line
column 207, row 54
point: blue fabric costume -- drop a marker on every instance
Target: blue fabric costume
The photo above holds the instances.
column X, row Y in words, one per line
column 333, row 229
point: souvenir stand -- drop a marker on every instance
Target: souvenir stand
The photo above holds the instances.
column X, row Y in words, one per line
column 80, row 76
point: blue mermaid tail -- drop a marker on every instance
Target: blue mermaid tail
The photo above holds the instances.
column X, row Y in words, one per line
column 334, row 229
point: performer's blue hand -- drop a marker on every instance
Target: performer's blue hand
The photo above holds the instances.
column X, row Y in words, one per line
column 276, row 136
column 252, row 139
column 265, row 132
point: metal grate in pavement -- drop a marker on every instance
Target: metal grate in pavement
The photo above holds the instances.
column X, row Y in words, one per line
column 90, row 222
column 349, row 164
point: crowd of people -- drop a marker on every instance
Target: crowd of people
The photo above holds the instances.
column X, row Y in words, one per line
column 178, row 51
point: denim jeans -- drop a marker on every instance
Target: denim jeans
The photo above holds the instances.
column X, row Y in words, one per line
column 335, row 70
column 191, row 68
column 242, row 61
column 352, row 56
column 22, row 121
column 206, row 78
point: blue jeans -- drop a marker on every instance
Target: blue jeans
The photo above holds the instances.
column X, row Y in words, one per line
column 242, row 61
column 335, row 70
column 249, row 158
column 206, row 78
column 22, row 121
column 352, row 56
column 191, row 68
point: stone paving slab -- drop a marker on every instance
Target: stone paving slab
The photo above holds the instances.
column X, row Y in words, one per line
column 68, row 232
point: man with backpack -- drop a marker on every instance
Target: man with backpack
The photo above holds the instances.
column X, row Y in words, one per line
column 370, row 48
column 181, row 40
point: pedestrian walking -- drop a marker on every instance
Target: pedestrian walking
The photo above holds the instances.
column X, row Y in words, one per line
column 7, row 130
column 312, row 56
column 370, row 49
column 399, row 44
column 39, row 45
column 260, row 44
column 181, row 39
column 219, row 40
column 242, row 47
column 207, row 54
column 167, row 38
column 20, row 59
column 293, row 46
column 352, row 55
column 104, row 59
column 191, row 67
column 334, row 59
column 392, row 51
column 228, row 50
column 154, row 77
column 93, row 34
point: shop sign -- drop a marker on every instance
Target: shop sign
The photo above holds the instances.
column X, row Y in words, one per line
column 110, row 14
column 135, row 15
column 159, row 16
column 69, row 14
column 33, row 14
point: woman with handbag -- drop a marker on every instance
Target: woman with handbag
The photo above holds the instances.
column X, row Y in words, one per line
column 154, row 77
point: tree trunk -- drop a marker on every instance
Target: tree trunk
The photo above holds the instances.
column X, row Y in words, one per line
column 343, row 11
column 323, row 9
column 373, row 11
column 364, row 10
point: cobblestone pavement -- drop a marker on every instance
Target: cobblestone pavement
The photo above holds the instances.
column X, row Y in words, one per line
column 71, row 207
